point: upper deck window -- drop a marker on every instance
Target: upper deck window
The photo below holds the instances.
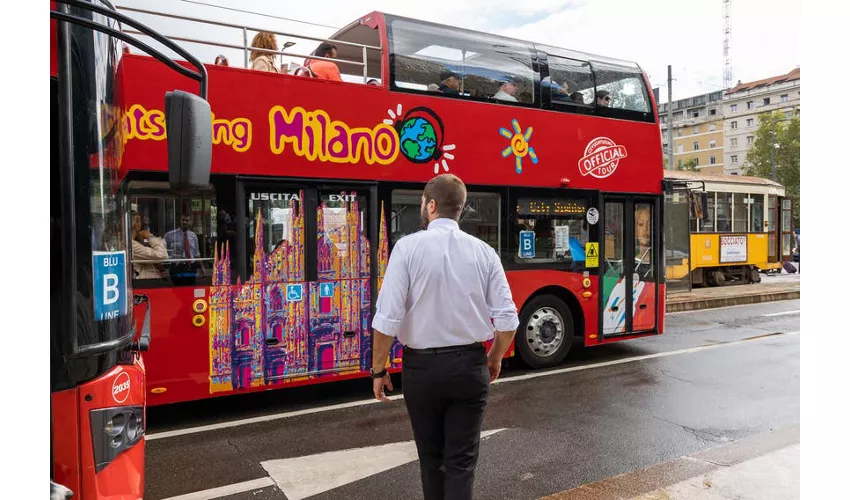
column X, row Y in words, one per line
column 624, row 85
column 456, row 62
column 569, row 81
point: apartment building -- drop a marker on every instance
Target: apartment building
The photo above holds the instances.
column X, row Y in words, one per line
column 742, row 106
column 697, row 132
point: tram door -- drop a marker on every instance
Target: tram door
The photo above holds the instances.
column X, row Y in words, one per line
column 771, row 222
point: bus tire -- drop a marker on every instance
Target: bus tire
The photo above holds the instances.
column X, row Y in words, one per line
column 545, row 333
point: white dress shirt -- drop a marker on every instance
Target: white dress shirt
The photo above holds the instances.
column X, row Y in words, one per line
column 442, row 288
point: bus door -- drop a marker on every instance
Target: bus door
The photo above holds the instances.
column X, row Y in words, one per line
column 629, row 262
column 317, row 248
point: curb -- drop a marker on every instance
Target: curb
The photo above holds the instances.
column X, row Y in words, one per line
column 694, row 305
column 631, row 485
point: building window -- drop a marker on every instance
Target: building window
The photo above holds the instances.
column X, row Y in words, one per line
column 679, row 132
column 680, row 149
column 750, row 105
column 767, row 101
column 712, row 127
column 734, row 108
column 696, row 145
column 734, row 158
column 696, row 130
column 734, row 124
column 694, row 114
column 787, row 115
column 734, row 142
column 712, row 143
column 696, row 162
column 749, row 140
column 712, row 160
column 783, row 98
column 712, row 112
column 750, row 122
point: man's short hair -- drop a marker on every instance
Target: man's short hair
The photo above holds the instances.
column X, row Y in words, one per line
column 449, row 192
column 446, row 74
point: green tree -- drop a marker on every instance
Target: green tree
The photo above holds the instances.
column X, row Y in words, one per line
column 688, row 165
column 781, row 135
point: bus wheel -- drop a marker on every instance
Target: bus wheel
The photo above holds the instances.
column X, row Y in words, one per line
column 545, row 332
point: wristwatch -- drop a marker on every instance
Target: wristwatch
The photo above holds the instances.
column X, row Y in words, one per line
column 380, row 374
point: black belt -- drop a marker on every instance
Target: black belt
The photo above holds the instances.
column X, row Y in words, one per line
column 445, row 350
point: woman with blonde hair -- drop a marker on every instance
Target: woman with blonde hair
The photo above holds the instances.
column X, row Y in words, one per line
column 264, row 61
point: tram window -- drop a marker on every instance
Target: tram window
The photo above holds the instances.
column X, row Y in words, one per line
column 724, row 212
column 757, row 214
column 457, row 62
column 707, row 222
column 624, row 85
column 569, row 82
column 175, row 235
column 739, row 212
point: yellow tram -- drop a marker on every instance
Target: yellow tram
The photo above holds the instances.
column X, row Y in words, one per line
column 725, row 229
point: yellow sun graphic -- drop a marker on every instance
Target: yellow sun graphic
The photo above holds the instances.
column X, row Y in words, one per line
column 519, row 144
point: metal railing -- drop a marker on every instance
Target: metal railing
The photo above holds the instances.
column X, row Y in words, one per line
column 247, row 49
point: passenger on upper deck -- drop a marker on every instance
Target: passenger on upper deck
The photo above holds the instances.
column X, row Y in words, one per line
column 325, row 70
column 220, row 60
column 263, row 61
column 603, row 98
column 449, row 82
column 507, row 90
column 577, row 97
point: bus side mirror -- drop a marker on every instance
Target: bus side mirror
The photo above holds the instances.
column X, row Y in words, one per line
column 188, row 122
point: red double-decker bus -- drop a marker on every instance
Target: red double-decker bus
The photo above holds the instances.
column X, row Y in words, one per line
column 272, row 271
column 97, row 377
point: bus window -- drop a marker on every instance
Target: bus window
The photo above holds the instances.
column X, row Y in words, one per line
column 569, row 81
column 557, row 226
column 480, row 217
column 724, row 212
column 757, row 213
column 451, row 61
column 624, row 86
column 175, row 236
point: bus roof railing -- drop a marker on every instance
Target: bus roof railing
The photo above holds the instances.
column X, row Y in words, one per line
column 109, row 11
column 247, row 49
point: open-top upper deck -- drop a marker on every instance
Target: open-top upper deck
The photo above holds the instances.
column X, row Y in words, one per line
column 516, row 113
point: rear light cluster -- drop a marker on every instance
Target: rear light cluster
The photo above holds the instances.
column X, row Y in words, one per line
column 114, row 430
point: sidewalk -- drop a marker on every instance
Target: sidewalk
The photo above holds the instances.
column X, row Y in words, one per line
column 776, row 287
column 757, row 467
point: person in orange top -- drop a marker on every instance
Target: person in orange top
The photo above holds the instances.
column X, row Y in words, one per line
column 325, row 70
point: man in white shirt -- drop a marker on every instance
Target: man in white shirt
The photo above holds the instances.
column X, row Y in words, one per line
column 507, row 91
column 444, row 294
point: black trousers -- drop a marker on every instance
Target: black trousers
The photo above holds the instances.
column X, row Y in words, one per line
column 446, row 394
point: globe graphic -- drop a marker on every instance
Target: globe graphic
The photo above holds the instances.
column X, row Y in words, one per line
column 418, row 139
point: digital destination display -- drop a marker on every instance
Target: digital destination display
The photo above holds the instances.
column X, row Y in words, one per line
column 551, row 206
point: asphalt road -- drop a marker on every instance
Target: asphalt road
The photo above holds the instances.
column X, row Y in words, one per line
column 715, row 376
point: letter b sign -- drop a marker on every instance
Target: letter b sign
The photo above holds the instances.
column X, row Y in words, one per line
column 526, row 244
column 110, row 287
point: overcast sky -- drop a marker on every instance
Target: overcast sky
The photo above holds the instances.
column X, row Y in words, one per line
column 654, row 33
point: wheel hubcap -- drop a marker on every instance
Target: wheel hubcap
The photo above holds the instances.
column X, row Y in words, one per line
column 545, row 331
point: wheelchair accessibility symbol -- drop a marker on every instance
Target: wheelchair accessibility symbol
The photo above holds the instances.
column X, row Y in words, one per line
column 294, row 293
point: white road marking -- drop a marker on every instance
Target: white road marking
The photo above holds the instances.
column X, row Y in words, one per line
column 223, row 491
column 782, row 313
column 527, row 376
column 303, row 477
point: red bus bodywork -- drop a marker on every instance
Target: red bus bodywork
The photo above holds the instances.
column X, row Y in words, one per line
column 291, row 127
